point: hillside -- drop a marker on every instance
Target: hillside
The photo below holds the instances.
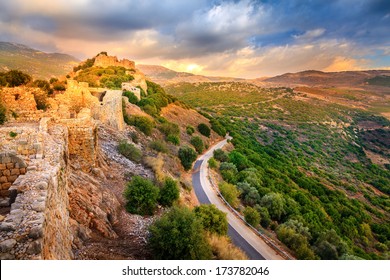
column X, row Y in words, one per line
column 326, row 79
column 163, row 75
column 315, row 169
column 34, row 62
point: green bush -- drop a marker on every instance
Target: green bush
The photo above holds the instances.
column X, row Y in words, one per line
column 129, row 151
column 179, row 235
column 44, row 85
column 3, row 111
column 213, row 163
column 174, row 139
column 251, row 216
column 213, row 219
column 230, row 193
column 159, row 146
column 265, row 219
column 144, row 124
column 229, row 172
column 40, row 98
column 13, row 134
column 169, row 192
column 187, row 156
column 141, row 196
column 218, row 128
column 130, row 96
column 220, row 155
column 204, row 129
column 197, row 143
column 190, row 129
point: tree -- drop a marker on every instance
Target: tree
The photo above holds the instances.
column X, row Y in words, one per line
column 249, row 195
column 274, row 202
column 239, row 160
column 230, row 193
column 15, row 78
column 228, row 172
column 204, row 129
column 169, row 192
column 220, row 155
column 187, row 156
column 197, row 143
column 213, row 219
column 141, row 195
column 265, row 219
column 251, row 216
column 179, row 235
column 329, row 246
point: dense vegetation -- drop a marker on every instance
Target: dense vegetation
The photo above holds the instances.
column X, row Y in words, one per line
column 380, row 81
column 111, row 77
column 301, row 164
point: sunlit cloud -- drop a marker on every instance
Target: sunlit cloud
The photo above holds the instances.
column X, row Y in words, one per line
column 236, row 38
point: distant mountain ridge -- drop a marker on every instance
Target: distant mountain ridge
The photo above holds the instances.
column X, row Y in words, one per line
column 163, row 75
column 319, row 78
column 34, row 62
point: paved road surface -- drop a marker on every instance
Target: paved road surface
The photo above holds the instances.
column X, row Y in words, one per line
column 241, row 235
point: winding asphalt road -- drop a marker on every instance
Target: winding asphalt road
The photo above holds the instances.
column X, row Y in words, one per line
column 241, row 235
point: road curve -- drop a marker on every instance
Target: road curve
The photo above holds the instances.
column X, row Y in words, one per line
column 241, row 235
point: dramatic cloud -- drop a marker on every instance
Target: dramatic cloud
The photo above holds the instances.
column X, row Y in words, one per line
column 240, row 38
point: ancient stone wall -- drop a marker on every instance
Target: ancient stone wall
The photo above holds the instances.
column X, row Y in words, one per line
column 19, row 98
column 109, row 111
column 11, row 166
column 103, row 60
column 37, row 226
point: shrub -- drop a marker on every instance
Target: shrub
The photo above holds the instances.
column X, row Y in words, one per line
column 130, row 96
column 179, row 235
column 169, row 192
column 141, row 195
column 174, row 139
column 197, row 143
column 212, row 219
column 204, row 129
column 239, row 160
column 217, row 127
column 169, row 128
column 213, row 163
column 230, row 193
column 3, row 117
column 187, row 156
column 220, row 155
column 129, row 151
column 159, row 146
column 144, row 124
column 190, row 130
column 13, row 134
column 265, row 219
column 44, row 85
column 251, row 216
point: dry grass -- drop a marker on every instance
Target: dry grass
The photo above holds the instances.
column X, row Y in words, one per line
column 223, row 249
column 156, row 163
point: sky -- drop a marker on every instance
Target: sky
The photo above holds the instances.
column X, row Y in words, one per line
column 248, row 39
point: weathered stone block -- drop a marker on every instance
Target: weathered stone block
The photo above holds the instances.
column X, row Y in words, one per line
column 34, row 248
column 22, row 170
column 3, row 166
column 10, row 165
column 6, row 160
column 7, row 245
column 6, row 172
column 5, row 186
column 12, row 178
column 3, row 179
column 15, row 171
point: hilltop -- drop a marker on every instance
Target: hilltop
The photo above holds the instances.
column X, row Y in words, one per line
column 34, row 62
